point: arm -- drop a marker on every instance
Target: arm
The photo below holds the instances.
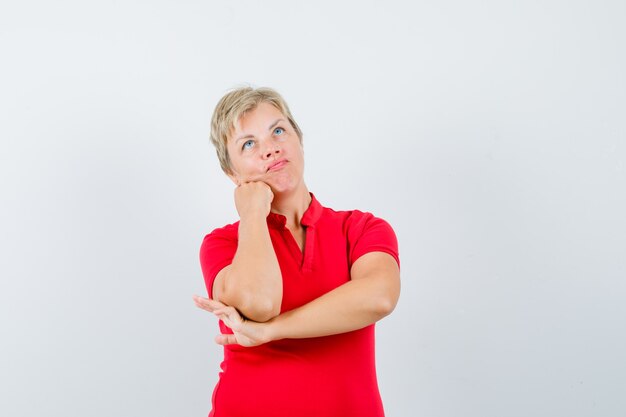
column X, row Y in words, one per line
column 370, row 295
column 252, row 283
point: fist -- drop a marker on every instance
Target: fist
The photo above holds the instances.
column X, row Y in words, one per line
column 253, row 199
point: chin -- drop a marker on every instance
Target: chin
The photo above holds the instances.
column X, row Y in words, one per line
column 282, row 188
column 284, row 185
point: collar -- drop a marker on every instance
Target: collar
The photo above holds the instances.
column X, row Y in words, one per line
column 309, row 218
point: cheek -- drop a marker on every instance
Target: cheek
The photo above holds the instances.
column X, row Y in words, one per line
column 297, row 150
column 301, row 155
column 247, row 168
column 239, row 161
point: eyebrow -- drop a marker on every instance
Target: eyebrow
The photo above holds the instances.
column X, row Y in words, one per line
column 269, row 128
column 275, row 123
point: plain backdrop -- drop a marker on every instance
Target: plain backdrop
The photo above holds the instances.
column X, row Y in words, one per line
column 490, row 134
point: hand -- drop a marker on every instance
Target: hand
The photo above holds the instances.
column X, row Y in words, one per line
column 245, row 332
column 253, row 198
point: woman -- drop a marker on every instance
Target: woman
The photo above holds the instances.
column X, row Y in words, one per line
column 297, row 286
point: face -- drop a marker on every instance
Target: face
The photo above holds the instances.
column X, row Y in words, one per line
column 265, row 147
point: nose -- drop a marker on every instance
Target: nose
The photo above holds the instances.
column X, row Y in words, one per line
column 271, row 149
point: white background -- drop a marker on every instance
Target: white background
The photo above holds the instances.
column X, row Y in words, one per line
column 490, row 134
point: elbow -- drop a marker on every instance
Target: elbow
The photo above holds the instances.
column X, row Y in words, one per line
column 384, row 307
column 385, row 304
column 259, row 309
column 251, row 304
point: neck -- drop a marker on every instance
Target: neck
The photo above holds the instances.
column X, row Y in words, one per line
column 292, row 205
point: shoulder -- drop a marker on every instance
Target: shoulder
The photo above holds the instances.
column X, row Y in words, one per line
column 230, row 230
column 362, row 219
column 358, row 223
column 366, row 233
column 224, row 235
column 355, row 222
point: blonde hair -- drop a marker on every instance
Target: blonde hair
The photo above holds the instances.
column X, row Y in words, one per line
column 232, row 107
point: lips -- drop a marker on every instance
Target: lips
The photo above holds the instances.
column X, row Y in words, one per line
column 277, row 165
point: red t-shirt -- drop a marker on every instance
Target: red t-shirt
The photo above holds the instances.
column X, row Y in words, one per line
column 331, row 376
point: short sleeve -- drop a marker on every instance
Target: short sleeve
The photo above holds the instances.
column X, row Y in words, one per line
column 368, row 233
column 216, row 252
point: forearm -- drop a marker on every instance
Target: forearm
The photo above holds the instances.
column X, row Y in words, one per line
column 253, row 283
column 352, row 306
column 363, row 300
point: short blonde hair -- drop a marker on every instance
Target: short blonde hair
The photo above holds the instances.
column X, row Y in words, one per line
column 232, row 107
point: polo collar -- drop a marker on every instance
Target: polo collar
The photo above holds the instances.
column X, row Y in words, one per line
column 309, row 218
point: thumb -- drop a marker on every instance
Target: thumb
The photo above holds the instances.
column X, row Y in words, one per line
column 226, row 339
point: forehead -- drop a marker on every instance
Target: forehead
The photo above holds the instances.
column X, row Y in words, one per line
column 257, row 120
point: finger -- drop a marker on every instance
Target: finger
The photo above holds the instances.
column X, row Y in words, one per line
column 215, row 304
column 233, row 323
column 231, row 314
column 207, row 304
column 198, row 298
column 201, row 303
column 203, row 306
column 208, row 301
column 258, row 178
column 228, row 310
column 226, row 339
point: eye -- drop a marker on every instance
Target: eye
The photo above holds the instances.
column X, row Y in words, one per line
column 247, row 144
column 279, row 131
